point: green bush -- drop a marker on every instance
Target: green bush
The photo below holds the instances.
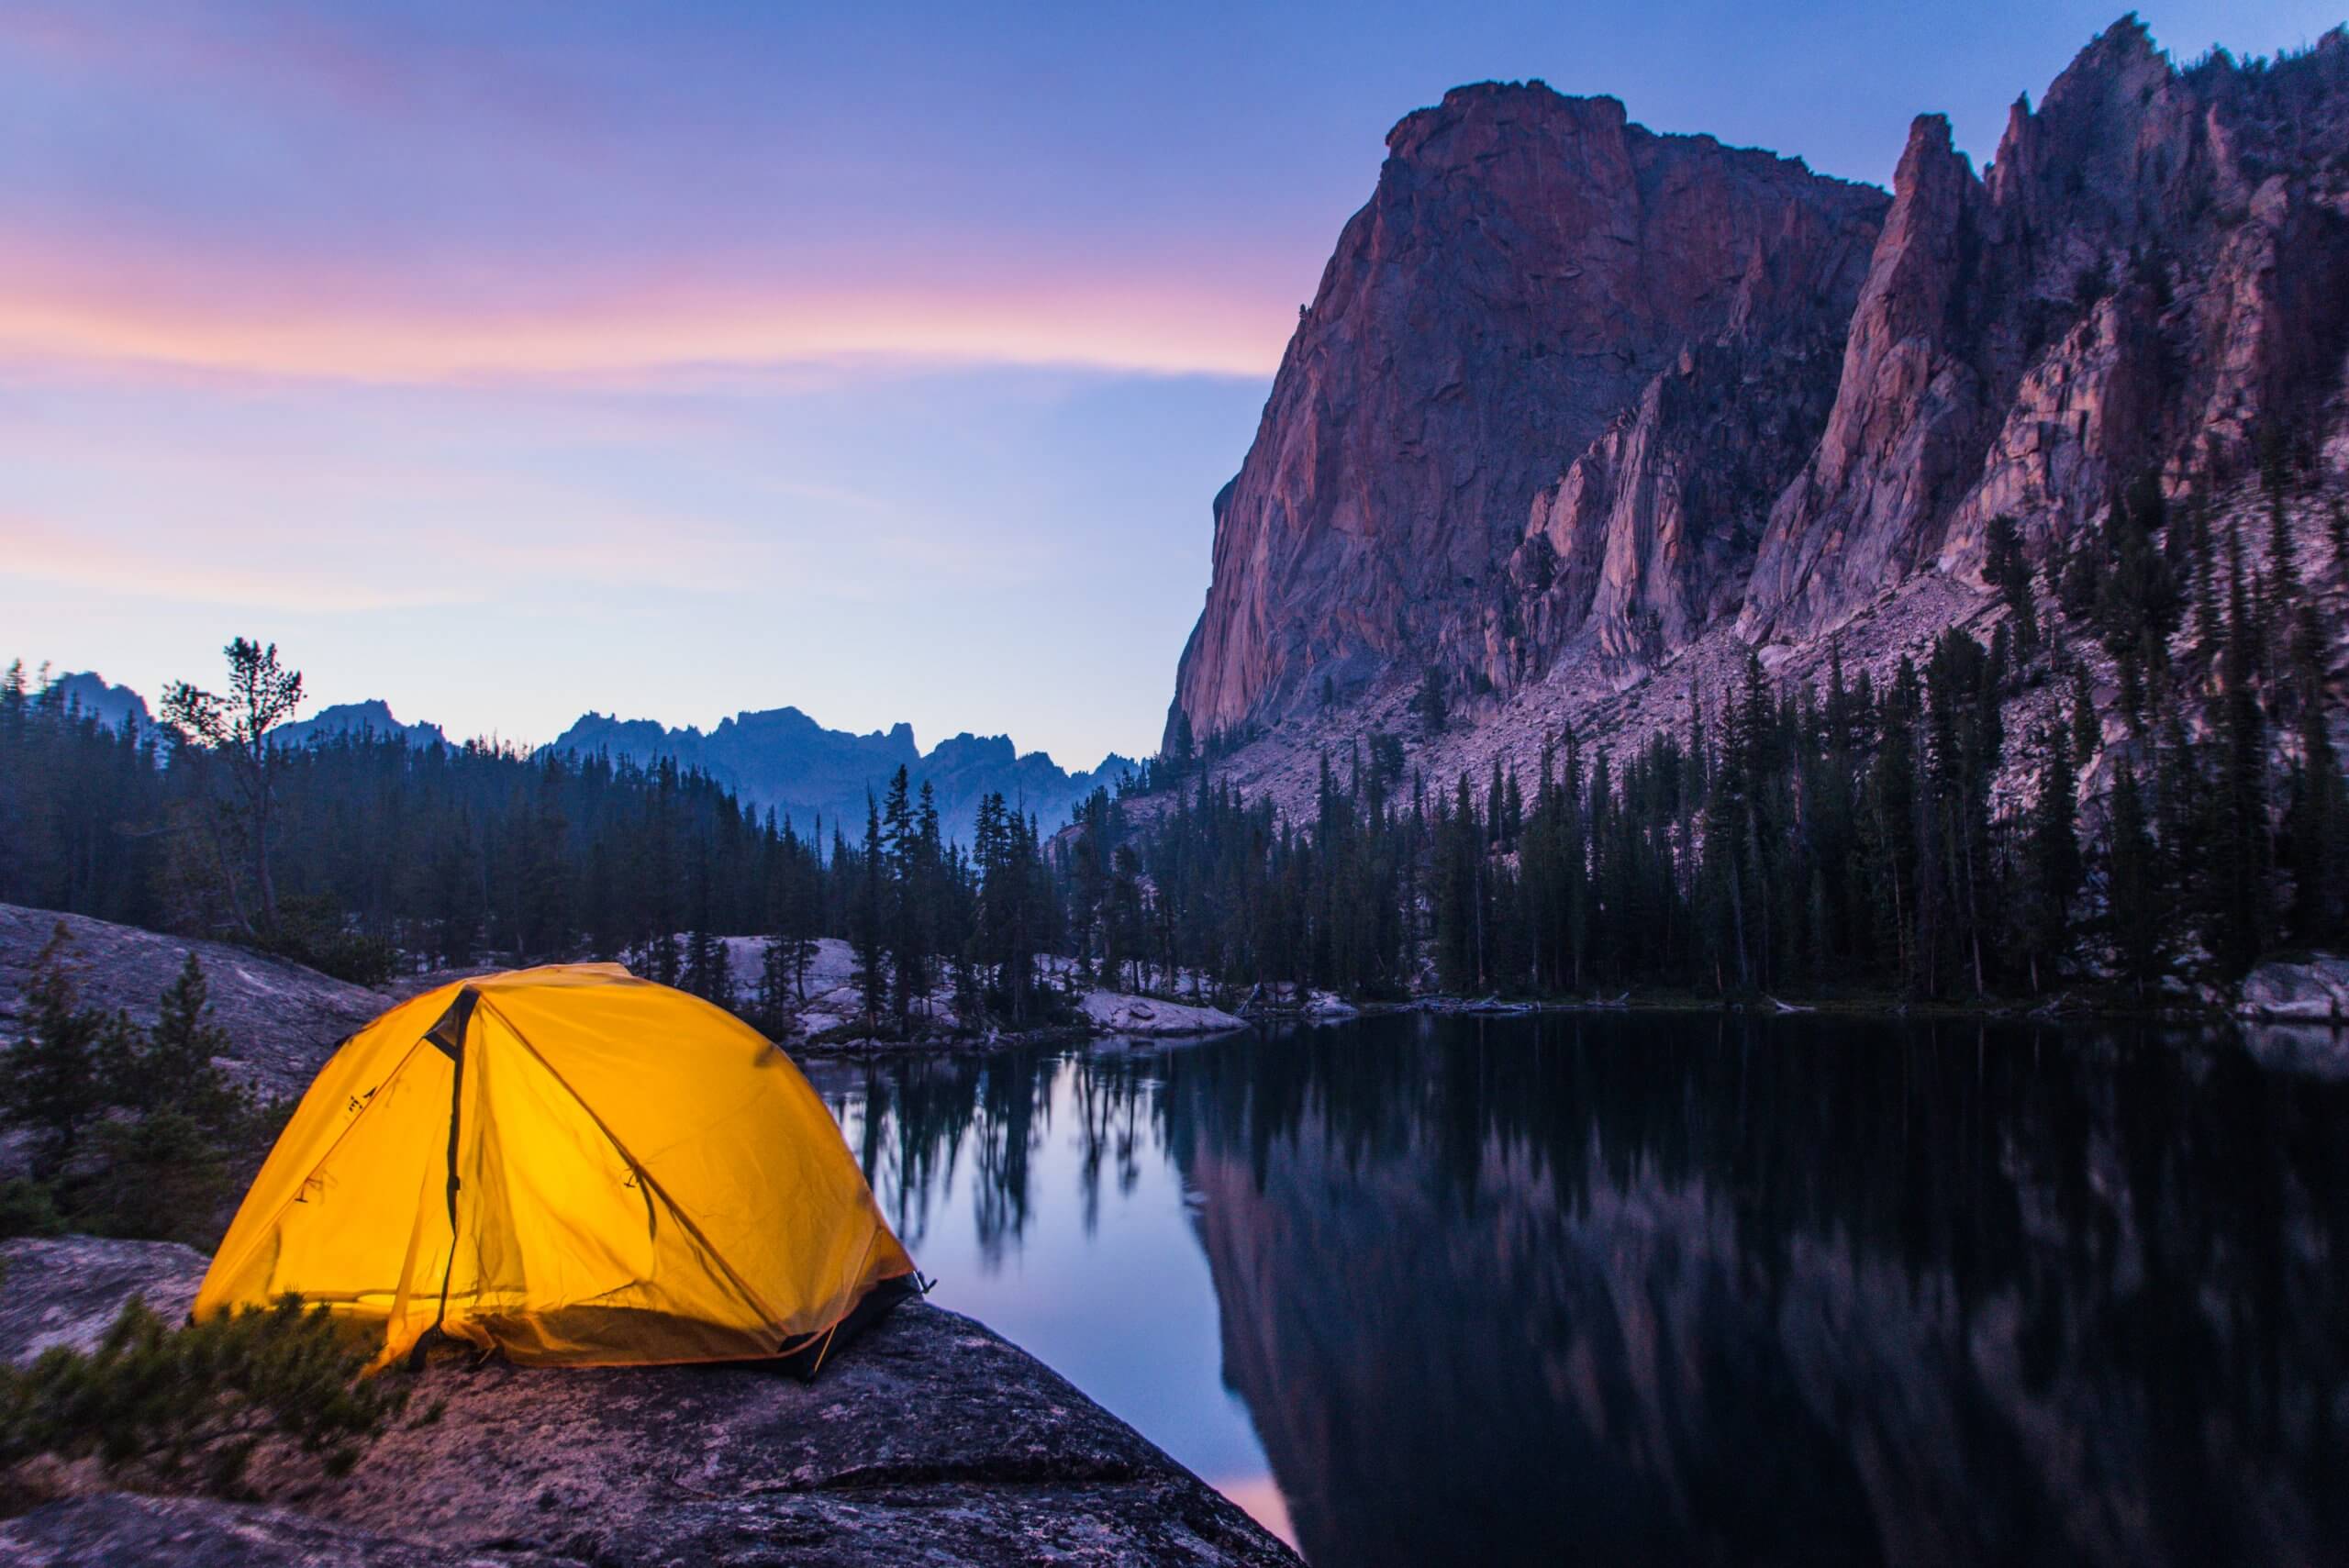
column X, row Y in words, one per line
column 28, row 1209
column 311, row 932
column 187, row 1407
column 160, row 1178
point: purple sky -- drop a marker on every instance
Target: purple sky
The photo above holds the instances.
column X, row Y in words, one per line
column 508, row 360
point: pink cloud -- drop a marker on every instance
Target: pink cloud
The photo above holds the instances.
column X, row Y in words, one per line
column 309, row 325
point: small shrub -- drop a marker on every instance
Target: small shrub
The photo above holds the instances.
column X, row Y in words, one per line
column 160, row 1179
column 188, row 1408
column 28, row 1209
column 311, row 932
column 1430, row 704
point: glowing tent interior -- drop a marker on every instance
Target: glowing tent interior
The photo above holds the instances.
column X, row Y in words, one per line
column 571, row 1166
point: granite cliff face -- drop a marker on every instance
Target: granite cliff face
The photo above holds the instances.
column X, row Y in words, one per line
column 1530, row 268
column 1572, row 395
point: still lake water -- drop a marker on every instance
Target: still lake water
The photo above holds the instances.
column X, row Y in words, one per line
column 1657, row 1288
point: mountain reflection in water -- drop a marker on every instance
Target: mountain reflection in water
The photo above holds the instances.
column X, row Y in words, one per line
column 1672, row 1288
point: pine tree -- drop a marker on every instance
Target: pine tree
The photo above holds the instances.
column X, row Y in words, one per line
column 2317, row 820
column 705, row 970
column 870, row 917
column 772, row 1002
column 909, row 969
column 2206, row 578
column 51, row 1081
column 235, row 730
column 2053, row 861
column 1125, row 933
column 1181, row 747
column 1892, row 817
column 2133, row 885
column 2008, row 571
column 2281, row 586
column 2081, row 583
column 2087, row 729
column 177, row 1071
column 2234, row 891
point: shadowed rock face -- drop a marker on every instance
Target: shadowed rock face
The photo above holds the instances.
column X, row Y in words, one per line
column 929, row 1439
column 1571, row 392
column 1649, row 536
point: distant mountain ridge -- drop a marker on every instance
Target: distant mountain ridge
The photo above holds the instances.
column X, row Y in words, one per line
column 372, row 716
column 781, row 760
column 776, row 759
column 90, row 691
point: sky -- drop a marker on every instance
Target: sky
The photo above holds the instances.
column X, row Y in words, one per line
column 507, row 361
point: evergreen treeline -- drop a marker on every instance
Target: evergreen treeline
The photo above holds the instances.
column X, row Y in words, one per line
column 1803, row 838
column 1892, row 836
column 377, row 853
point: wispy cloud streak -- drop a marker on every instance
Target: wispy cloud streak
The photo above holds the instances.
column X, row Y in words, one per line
column 1169, row 332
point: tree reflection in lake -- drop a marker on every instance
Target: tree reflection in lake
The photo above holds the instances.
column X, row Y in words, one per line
column 1680, row 1288
column 914, row 1119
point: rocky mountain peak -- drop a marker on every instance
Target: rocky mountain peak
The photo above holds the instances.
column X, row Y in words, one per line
column 1474, row 122
column 1573, row 394
column 2146, row 277
column 372, row 716
column 92, row 694
column 1527, row 266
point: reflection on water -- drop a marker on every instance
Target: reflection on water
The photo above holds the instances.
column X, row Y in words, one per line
column 1672, row 1289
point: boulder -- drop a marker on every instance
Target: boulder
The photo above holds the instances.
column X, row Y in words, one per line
column 120, row 1528
column 283, row 1021
column 1117, row 1013
column 2312, row 990
column 66, row 1292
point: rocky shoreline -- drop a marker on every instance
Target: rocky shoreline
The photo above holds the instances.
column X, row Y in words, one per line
column 930, row 1439
column 2311, row 991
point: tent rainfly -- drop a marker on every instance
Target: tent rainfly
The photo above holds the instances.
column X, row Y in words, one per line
column 571, row 1166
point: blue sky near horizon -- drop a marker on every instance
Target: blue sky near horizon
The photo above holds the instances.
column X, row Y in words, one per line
column 510, row 362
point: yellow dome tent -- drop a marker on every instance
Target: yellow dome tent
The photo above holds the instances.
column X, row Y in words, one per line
column 573, row 1166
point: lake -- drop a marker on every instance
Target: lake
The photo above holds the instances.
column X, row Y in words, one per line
column 1669, row 1288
